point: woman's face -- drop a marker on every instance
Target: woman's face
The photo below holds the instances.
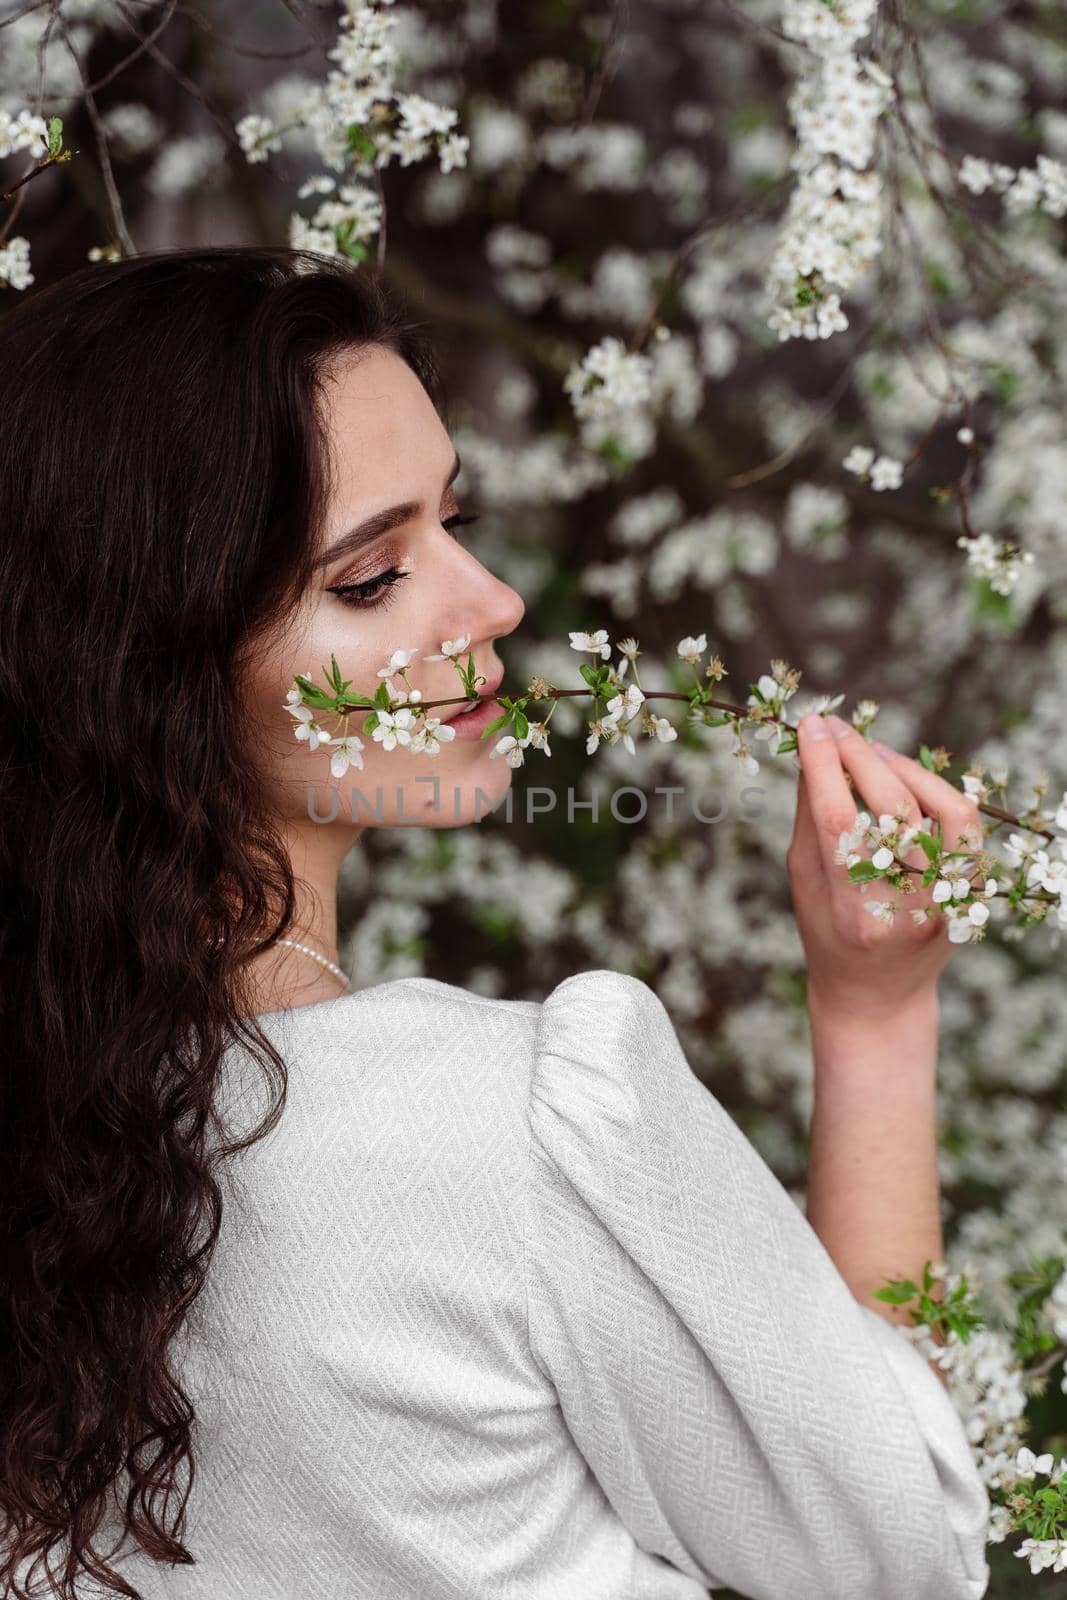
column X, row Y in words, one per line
column 391, row 454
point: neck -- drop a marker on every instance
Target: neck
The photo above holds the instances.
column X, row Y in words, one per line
column 285, row 978
column 282, row 978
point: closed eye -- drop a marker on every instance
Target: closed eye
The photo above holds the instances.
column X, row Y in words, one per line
column 376, row 592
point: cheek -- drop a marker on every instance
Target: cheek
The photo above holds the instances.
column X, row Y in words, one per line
column 362, row 640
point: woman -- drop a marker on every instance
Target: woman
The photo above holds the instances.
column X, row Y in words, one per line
column 500, row 1301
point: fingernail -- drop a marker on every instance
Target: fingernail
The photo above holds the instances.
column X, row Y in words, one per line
column 840, row 726
column 814, row 726
column 885, row 751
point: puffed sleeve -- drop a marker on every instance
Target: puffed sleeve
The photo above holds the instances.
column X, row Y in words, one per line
column 748, row 1420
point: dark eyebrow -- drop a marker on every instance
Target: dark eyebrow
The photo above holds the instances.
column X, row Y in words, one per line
column 372, row 528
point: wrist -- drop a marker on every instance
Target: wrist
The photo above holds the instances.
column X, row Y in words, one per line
column 875, row 1047
column 831, row 1013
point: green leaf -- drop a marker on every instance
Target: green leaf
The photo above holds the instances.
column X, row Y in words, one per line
column 522, row 726
column 382, row 696
column 354, row 248
column 620, row 460
column 370, row 723
column 1005, row 383
column 926, row 756
column 318, row 699
column 498, row 922
column 930, row 846
column 899, row 1292
column 496, row 724
column 994, row 608
column 863, row 872
column 360, row 141
column 938, row 279
column 55, row 135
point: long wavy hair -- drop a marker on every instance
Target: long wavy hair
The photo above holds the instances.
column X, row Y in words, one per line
column 164, row 467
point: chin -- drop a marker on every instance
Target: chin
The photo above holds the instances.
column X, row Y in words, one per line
column 460, row 799
column 439, row 799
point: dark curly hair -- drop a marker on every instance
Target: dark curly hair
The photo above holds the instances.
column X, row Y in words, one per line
column 163, row 470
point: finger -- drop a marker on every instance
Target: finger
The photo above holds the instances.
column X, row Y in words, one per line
column 832, row 807
column 960, row 818
column 804, row 857
column 884, row 788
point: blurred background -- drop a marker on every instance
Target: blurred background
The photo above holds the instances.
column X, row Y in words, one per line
column 628, row 175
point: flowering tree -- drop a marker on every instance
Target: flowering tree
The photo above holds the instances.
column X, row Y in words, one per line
column 761, row 307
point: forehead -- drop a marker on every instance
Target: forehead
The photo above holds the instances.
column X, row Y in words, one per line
column 381, row 422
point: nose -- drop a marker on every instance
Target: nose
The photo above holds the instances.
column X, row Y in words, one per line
column 494, row 610
column 512, row 609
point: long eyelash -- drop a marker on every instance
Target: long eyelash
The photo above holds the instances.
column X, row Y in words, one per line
column 378, row 591
column 373, row 593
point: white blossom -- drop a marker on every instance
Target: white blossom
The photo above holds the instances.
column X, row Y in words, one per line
column 450, row 648
column 607, row 379
column 307, row 728
column 886, row 473
column 859, row 460
column 15, row 263
column 23, row 131
column 258, row 136
column 691, row 649
column 397, row 661
column 597, row 642
column 346, row 753
column 394, row 728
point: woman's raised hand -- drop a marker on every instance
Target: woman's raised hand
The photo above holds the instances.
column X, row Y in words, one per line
column 857, row 963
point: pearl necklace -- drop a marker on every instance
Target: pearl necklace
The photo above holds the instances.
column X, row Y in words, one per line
column 331, row 966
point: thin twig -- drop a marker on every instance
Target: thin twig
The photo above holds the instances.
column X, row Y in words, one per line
column 744, row 480
column 118, row 218
column 767, row 28
column 739, row 213
column 120, row 66
column 186, row 83
column 42, row 48
column 34, row 5
column 12, row 216
column 1045, row 1366
column 742, row 713
column 49, row 161
column 380, row 186
column 42, row 45
column 607, row 61
column 218, row 34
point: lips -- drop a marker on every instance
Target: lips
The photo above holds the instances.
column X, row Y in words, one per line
column 485, row 692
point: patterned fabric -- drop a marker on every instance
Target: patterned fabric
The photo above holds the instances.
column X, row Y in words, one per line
column 506, row 1307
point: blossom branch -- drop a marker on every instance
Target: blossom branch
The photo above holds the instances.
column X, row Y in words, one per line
column 397, row 718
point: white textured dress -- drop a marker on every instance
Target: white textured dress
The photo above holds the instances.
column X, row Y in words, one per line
column 507, row 1307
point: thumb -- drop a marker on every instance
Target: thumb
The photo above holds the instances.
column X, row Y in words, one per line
column 805, row 857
